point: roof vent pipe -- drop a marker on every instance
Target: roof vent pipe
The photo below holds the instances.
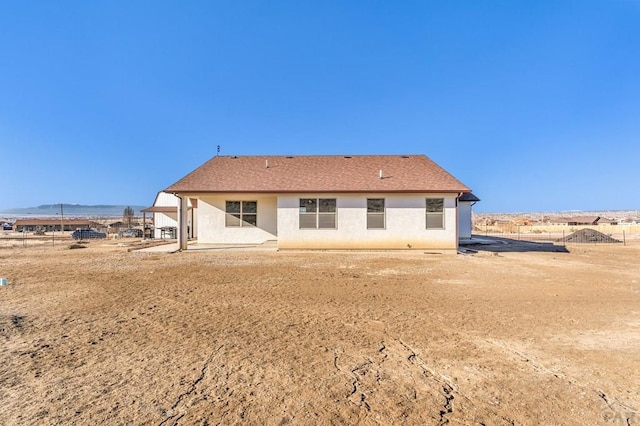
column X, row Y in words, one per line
column 380, row 173
column 266, row 164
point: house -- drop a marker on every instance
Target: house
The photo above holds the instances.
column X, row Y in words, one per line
column 576, row 220
column 165, row 216
column 630, row 220
column 49, row 225
column 605, row 221
column 322, row 202
column 465, row 204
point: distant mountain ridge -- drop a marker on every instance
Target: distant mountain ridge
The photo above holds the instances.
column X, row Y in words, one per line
column 73, row 210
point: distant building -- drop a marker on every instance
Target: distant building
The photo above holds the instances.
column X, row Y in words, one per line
column 605, row 221
column 631, row 221
column 582, row 220
column 49, row 225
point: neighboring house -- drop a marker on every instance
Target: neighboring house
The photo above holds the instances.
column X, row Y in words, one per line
column 630, row 221
column 49, row 225
column 465, row 204
column 576, row 220
column 322, row 202
column 120, row 224
column 605, row 221
column 165, row 216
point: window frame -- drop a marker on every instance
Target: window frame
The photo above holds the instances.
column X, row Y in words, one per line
column 318, row 214
column 383, row 213
column 433, row 214
column 240, row 215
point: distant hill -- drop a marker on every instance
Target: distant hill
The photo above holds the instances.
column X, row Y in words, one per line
column 72, row 210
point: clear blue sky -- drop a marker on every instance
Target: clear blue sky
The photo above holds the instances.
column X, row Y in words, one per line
column 535, row 105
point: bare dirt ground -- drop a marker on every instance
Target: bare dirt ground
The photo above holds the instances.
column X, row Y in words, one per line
column 103, row 335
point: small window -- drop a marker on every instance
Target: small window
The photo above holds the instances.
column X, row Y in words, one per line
column 375, row 213
column 318, row 213
column 241, row 213
column 435, row 213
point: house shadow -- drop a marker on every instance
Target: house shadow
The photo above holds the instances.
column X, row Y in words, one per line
column 478, row 243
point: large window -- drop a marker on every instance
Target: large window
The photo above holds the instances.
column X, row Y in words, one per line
column 241, row 213
column 318, row 213
column 435, row 213
column 375, row 213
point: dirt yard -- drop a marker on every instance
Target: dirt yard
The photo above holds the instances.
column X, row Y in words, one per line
column 104, row 335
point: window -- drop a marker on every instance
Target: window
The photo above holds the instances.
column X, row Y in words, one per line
column 375, row 213
column 317, row 213
column 241, row 213
column 435, row 213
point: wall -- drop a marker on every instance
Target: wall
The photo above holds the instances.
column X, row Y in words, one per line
column 164, row 220
column 405, row 224
column 160, row 220
column 464, row 219
column 164, row 199
column 211, row 220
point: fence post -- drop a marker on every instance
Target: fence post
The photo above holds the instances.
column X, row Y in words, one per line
column 624, row 238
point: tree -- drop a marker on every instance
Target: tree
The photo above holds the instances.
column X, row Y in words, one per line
column 127, row 216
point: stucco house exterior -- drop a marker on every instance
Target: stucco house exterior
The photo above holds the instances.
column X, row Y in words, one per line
column 322, row 202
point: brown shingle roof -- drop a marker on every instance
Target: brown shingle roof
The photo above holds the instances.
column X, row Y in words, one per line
column 319, row 173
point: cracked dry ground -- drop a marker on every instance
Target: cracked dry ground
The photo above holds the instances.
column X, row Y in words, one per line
column 101, row 335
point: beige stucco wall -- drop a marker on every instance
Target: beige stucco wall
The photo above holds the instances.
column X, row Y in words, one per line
column 405, row 224
column 211, row 220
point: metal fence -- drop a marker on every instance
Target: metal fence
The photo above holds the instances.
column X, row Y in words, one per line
column 564, row 235
column 35, row 239
column 31, row 239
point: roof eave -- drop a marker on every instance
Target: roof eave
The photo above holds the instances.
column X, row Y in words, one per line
column 320, row 191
